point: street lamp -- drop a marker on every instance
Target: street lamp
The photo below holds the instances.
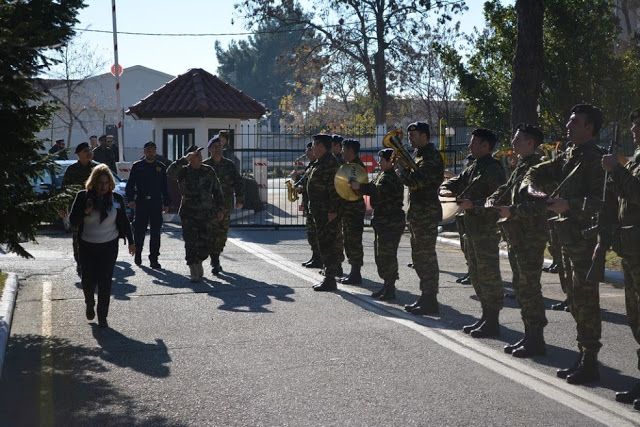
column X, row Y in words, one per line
column 449, row 133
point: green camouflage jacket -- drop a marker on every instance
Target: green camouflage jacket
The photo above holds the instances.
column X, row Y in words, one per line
column 230, row 180
column 200, row 188
column 625, row 181
column 323, row 196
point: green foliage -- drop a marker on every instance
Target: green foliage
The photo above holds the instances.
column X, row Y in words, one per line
column 28, row 28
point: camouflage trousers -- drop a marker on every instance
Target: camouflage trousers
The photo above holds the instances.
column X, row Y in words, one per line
column 631, row 268
column 352, row 229
column 424, row 234
column 484, row 270
column 327, row 233
column 583, row 295
column 220, row 232
column 526, row 263
column 198, row 235
column 564, row 266
column 385, row 248
column 312, row 234
column 339, row 243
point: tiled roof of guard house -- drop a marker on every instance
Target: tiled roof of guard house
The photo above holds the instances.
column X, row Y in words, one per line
column 197, row 93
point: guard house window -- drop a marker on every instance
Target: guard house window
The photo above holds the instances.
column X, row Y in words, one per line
column 176, row 141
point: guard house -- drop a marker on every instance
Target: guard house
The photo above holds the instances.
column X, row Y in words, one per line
column 194, row 107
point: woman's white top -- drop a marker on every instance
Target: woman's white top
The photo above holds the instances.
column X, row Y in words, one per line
column 95, row 231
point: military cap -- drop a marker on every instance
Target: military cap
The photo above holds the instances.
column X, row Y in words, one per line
column 193, row 148
column 150, row 144
column 532, row 131
column 213, row 140
column 336, row 139
column 322, row 137
column 634, row 114
column 58, row 141
column 420, row 127
column 93, row 136
column 386, row 153
column 81, row 147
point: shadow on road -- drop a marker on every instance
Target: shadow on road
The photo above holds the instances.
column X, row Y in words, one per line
column 241, row 294
column 49, row 381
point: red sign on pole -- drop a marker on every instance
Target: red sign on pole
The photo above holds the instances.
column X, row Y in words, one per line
column 113, row 69
column 369, row 161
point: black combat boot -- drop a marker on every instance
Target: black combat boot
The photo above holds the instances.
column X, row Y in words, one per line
column 380, row 291
column 354, row 277
column 137, row 259
column 588, row 371
column 215, row 265
column 428, row 306
column 340, row 272
column 409, row 307
column 489, row 328
column 510, row 347
column 534, row 345
column 564, row 373
column 629, row 396
column 466, row 280
column 327, row 285
column 309, row 261
column 561, row 306
column 460, row 279
column 389, row 292
column 467, row 329
column 314, row 262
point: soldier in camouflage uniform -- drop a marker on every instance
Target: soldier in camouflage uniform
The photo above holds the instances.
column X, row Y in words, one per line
column 202, row 205
column 103, row 154
column 575, row 211
column 525, row 231
column 388, row 221
column 323, row 204
column 353, row 219
column 74, row 179
column 312, row 237
column 625, row 182
column 478, row 181
column 423, row 215
column 231, row 183
column 336, row 150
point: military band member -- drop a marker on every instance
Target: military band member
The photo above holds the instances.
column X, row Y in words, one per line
column 352, row 220
column 526, row 233
column 324, row 203
column 74, row 179
column 477, row 182
column 232, row 184
column 574, row 209
column 312, row 237
column 625, row 182
column 149, row 198
column 423, row 215
column 388, row 221
column 202, row 205
column 336, row 150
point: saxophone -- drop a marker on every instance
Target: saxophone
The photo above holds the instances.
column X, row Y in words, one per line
column 292, row 192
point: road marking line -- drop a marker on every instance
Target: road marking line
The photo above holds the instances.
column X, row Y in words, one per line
column 574, row 397
column 46, row 414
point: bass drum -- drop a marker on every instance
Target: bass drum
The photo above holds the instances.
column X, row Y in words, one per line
column 449, row 210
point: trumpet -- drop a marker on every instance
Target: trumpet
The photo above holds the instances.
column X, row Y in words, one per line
column 292, row 192
column 393, row 139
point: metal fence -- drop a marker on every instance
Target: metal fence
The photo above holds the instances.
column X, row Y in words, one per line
column 274, row 157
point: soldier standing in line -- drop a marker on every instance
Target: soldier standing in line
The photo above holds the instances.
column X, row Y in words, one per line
column 231, row 182
column 148, row 196
column 202, row 205
column 388, row 221
column 582, row 165
column 336, row 150
column 324, row 203
column 525, row 231
column 352, row 220
column 312, row 235
column 104, row 154
column 477, row 182
column 74, row 179
column 93, row 141
column 465, row 280
column 424, row 214
column 625, row 182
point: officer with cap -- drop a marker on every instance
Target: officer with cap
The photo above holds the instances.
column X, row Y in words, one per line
column 202, row 204
column 231, row 183
column 424, row 214
column 58, row 149
column 73, row 180
column 148, row 196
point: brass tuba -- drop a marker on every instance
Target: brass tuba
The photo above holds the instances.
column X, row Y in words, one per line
column 393, row 139
column 292, row 192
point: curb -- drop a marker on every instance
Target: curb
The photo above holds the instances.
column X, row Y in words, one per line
column 7, row 303
column 610, row 276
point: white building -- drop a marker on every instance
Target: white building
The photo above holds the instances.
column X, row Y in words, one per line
column 93, row 103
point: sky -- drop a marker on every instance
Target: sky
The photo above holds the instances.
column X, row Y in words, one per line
column 172, row 54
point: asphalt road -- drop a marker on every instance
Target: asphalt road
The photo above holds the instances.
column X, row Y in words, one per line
column 257, row 346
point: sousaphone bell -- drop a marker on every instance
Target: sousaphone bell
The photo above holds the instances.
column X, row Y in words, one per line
column 345, row 174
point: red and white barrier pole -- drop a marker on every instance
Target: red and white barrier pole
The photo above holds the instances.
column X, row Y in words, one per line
column 117, row 75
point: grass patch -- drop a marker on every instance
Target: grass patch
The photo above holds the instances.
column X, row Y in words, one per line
column 3, row 278
column 612, row 261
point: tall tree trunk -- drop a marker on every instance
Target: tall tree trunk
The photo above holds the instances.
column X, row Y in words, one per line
column 527, row 63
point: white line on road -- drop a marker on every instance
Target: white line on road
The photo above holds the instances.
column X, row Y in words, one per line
column 574, row 397
column 46, row 309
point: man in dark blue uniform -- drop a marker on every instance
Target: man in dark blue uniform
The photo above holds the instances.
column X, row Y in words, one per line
column 148, row 196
